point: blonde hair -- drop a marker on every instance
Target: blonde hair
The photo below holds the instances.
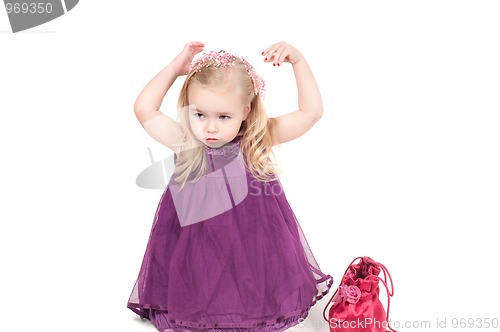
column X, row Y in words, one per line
column 256, row 144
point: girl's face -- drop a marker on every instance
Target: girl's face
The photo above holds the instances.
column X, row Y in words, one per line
column 215, row 116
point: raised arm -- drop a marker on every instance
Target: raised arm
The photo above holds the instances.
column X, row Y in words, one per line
column 161, row 127
column 289, row 126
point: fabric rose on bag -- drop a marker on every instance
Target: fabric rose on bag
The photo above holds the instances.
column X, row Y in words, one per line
column 350, row 293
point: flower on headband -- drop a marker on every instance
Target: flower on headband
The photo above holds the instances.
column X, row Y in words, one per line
column 223, row 59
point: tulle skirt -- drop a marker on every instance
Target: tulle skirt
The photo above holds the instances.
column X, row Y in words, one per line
column 244, row 267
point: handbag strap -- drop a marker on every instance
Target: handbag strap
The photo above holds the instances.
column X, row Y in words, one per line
column 384, row 282
column 388, row 298
column 386, row 273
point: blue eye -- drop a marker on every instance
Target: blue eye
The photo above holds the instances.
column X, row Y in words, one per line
column 199, row 115
column 224, row 117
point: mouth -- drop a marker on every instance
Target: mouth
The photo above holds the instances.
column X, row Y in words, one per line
column 211, row 139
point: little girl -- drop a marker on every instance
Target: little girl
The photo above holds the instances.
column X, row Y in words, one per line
column 226, row 252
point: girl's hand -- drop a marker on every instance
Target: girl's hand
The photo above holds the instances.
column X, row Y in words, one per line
column 282, row 52
column 182, row 61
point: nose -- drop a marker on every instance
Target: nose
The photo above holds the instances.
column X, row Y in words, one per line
column 211, row 127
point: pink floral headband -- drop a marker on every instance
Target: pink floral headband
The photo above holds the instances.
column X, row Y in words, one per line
column 223, row 59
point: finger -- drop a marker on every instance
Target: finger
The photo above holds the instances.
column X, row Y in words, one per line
column 196, row 43
column 284, row 53
column 279, row 55
column 200, row 45
column 199, row 48
column 271, row 56
column 266, row 50
column 268, row 53
column 195, row 47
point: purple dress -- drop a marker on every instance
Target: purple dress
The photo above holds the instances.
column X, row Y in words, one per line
column 226, row 253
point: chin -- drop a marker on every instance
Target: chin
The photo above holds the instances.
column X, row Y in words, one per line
column 215, row 144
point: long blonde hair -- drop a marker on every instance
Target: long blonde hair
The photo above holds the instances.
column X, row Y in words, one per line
column 256, row 144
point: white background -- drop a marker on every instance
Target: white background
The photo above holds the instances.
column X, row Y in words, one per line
column 403, row 167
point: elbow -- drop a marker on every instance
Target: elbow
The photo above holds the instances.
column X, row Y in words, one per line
column 141, row 115
column 311, row 117
column 144, row 115
column 314, row 111
column 142, row 106
column 316, row 116
column 319, row 114
column 138, row 108
column 142, row 112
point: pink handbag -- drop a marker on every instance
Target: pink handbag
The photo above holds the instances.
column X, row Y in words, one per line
column 356, row 306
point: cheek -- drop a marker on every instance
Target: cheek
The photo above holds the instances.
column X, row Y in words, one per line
column 233, row 128
column 195, row 125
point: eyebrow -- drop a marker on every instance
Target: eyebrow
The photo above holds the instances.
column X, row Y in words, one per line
column 218, row 113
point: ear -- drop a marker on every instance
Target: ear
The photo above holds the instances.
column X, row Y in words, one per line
column 246, row 111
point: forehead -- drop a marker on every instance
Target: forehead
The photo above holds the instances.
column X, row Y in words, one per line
column 214, row 100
